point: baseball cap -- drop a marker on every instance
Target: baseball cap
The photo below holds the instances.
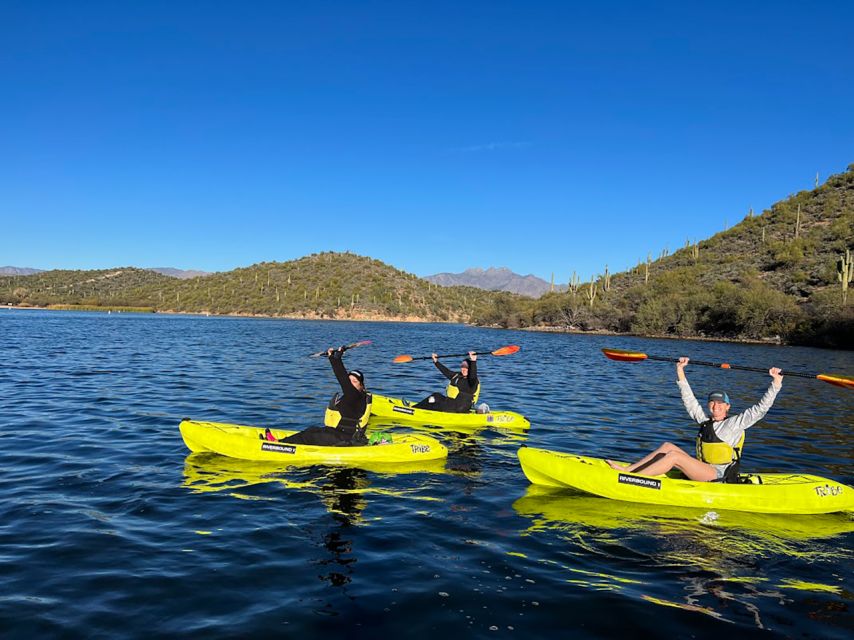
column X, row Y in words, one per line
column 719, row 396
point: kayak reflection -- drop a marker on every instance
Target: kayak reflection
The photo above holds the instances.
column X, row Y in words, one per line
column 720, row 558
column 206, row 472
column 565, row 509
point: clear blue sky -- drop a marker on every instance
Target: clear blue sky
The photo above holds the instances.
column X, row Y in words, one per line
column 435, row 136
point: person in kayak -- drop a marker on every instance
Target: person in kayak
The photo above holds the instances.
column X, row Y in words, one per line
column 353, row 405
column 719, row 441
column 462, row 391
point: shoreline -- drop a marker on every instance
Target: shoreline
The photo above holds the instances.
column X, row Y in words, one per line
column 365, row 317
column 407, row 319
column 772, row 342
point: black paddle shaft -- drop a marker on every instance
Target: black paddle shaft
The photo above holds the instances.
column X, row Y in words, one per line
column 724, row 365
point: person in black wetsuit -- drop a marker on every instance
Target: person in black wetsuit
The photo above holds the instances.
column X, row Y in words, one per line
column 462, row 391
column 352, row 404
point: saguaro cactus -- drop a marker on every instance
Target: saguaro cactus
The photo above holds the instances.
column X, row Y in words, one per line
column 798, row 223
column 845, row 274
column 606, row 284
column 591, row 291
column 695, row 252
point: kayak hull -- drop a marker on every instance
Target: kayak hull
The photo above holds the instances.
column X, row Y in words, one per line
column 399, row 409
column 784, row 493
column 245, row 443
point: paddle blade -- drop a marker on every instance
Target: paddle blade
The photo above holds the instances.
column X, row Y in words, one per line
column 403, row 358
column 839, row 381
column 506, row 351
column 624, row 356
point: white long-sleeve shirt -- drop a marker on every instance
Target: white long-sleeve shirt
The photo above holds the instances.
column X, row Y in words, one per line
column 730, row 428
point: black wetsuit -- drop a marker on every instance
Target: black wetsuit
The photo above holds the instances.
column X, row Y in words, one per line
column 464, row 400
column 351, row 404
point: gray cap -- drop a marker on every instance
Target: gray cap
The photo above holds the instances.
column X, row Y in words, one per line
column 719, row 396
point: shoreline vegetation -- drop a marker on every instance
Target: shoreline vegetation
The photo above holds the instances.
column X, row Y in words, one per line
column 775, row 340
column 777, row 277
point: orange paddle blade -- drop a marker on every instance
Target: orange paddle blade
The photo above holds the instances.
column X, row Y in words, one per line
column 624, row 356
column 506, row 351
column 839, row 381
column 403, row 358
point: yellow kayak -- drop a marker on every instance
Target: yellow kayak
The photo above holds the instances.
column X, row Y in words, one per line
column 792, row 493
column 245, row 442
column 398, row 409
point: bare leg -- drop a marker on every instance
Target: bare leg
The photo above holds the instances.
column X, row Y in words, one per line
column 665, row 458
column 689, row 465
column 665, row 448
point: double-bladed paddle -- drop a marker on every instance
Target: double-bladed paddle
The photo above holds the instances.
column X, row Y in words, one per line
column 503, row 351
column 344, row 348
column 635, row 356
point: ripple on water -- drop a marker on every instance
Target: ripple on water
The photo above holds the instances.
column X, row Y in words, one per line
column 108, row 527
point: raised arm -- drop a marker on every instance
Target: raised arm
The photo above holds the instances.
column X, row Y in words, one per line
column 445, row 371
column 755, row 413
column 340, row 372
column 691, row 405
column 472, row 369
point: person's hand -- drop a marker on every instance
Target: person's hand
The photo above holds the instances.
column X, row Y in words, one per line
column 329, row 352
column 435, row 357
column 472, row 356
column 680, row 369
column 777, row 374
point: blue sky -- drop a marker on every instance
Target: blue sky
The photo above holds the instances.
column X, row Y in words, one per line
column 435, row 136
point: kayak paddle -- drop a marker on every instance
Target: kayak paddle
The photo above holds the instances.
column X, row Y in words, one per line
column 635, row 356
column 344, row 348
column 503, row 351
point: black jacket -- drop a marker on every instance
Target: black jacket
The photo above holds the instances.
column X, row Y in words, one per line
column 352, row 402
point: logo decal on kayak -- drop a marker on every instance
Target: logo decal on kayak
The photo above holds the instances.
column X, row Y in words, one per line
column 827, row 490
column 420, row 448
column 278, row 448
column 408, row 412
column 648, row 483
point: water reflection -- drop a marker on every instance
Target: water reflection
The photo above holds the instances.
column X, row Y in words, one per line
column 343, row 494
column 718, row 557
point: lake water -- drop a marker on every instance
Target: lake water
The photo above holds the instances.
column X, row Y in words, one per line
column 109, row 528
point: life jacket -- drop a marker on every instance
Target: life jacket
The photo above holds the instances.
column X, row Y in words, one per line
column 712, row 450
column 453, row 391
column 333, row 417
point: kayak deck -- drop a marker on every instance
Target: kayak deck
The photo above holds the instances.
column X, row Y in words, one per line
column 786, row 493
column 246, row 443
column 399, row 409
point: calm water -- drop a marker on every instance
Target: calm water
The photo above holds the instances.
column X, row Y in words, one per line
column 108, row 528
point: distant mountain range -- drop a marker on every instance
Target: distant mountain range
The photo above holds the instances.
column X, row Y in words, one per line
column 181, row 274
column 18, row 271
column 495, row 279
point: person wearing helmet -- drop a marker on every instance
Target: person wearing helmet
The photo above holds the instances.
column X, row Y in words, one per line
column 719, row 441
column 462, row 391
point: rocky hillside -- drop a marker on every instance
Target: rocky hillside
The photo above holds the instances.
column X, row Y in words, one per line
column 327, row 285
column 775, row 275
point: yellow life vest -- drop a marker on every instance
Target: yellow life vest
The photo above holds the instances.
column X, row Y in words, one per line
column 452, row 390
column 712, row 450
column 332, row 418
